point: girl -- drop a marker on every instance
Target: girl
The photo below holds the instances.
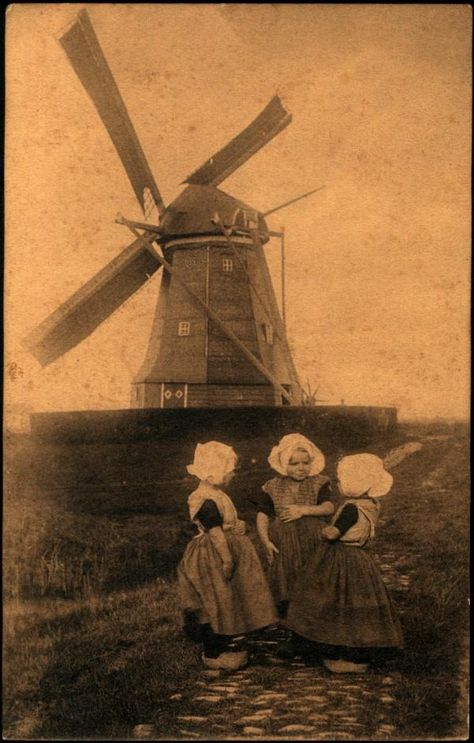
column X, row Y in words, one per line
column 288, row 513
column 340, row 602
column 223, row 590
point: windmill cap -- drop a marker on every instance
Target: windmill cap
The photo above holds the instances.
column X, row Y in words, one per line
column 195, row 210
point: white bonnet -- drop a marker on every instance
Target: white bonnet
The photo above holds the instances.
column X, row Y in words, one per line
column 212, row 462
column 281, row 454
column 363, row 473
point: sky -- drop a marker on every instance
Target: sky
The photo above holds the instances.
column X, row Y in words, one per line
column 377, row 262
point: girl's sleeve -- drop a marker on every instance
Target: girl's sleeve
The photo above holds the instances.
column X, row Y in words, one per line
column 208, row 515
column 326, row 493
column 347, row 518
column 263, row 503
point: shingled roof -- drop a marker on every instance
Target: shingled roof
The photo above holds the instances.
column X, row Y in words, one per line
column 194, row 209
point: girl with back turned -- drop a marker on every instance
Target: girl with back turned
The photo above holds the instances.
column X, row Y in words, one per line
column 223, row 590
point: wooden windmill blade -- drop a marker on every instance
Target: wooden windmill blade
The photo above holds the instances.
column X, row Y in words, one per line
column 87, row 308
column 272, row 120
column 85, row 54
column 399, row 453
column 310, row 396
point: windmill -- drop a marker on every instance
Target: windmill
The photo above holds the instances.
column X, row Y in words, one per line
column 217, row 337
column 310, row 396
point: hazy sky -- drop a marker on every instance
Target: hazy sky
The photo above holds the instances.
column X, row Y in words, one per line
column 378, row 262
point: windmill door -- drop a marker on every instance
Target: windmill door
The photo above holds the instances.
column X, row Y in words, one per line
column 174, row 395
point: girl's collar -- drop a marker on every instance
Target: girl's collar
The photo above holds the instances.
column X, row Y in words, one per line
column 364, row 496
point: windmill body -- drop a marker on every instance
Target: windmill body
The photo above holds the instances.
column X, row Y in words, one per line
column 217, row 337
column 190, row 361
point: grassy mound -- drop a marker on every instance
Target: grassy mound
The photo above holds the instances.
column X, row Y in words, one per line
column 49, row 551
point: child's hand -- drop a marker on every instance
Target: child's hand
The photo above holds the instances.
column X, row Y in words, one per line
column 228, row 569
column 239, row 528
column 292, row 513
column 270, row 551
column 330, row 533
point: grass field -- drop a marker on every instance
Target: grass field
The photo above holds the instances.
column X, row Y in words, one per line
column 92, row 638
column 428, row 513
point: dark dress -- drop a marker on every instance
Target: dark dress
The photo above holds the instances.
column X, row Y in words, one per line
column 340, row 600
column 295, row 540
column 230, row 607
column 214, row 644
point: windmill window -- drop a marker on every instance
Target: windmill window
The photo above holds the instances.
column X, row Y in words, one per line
column 184, row 328
column 227, row 264
column 268, row 333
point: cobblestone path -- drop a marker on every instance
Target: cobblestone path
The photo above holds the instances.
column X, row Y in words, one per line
column 282, row 699
column 274, row 698
column 278, row 699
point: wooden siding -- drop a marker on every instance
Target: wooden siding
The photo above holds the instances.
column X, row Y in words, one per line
column 207, row 355
column 229, row 297
column 281, row 360
column 148, row 395
column 214, row 395
column 170, row 357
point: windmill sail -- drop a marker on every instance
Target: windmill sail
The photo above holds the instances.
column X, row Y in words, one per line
column 85, row 54
column 397, row 455
column 76, row 318
column 220, row 166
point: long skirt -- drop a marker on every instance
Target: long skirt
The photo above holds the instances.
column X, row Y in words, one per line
column 295, row 541
column 240, row 605
column 341, row 600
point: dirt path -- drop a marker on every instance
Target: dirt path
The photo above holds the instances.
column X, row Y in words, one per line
column 279, row 699
column 286, row 699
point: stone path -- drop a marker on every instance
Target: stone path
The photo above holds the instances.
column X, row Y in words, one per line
column 292, row 700
column 276, row 699
column 273, row 698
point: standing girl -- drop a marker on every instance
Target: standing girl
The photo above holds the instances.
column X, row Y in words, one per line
column 340, row 602
column 223, row 590
column 288, row 518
